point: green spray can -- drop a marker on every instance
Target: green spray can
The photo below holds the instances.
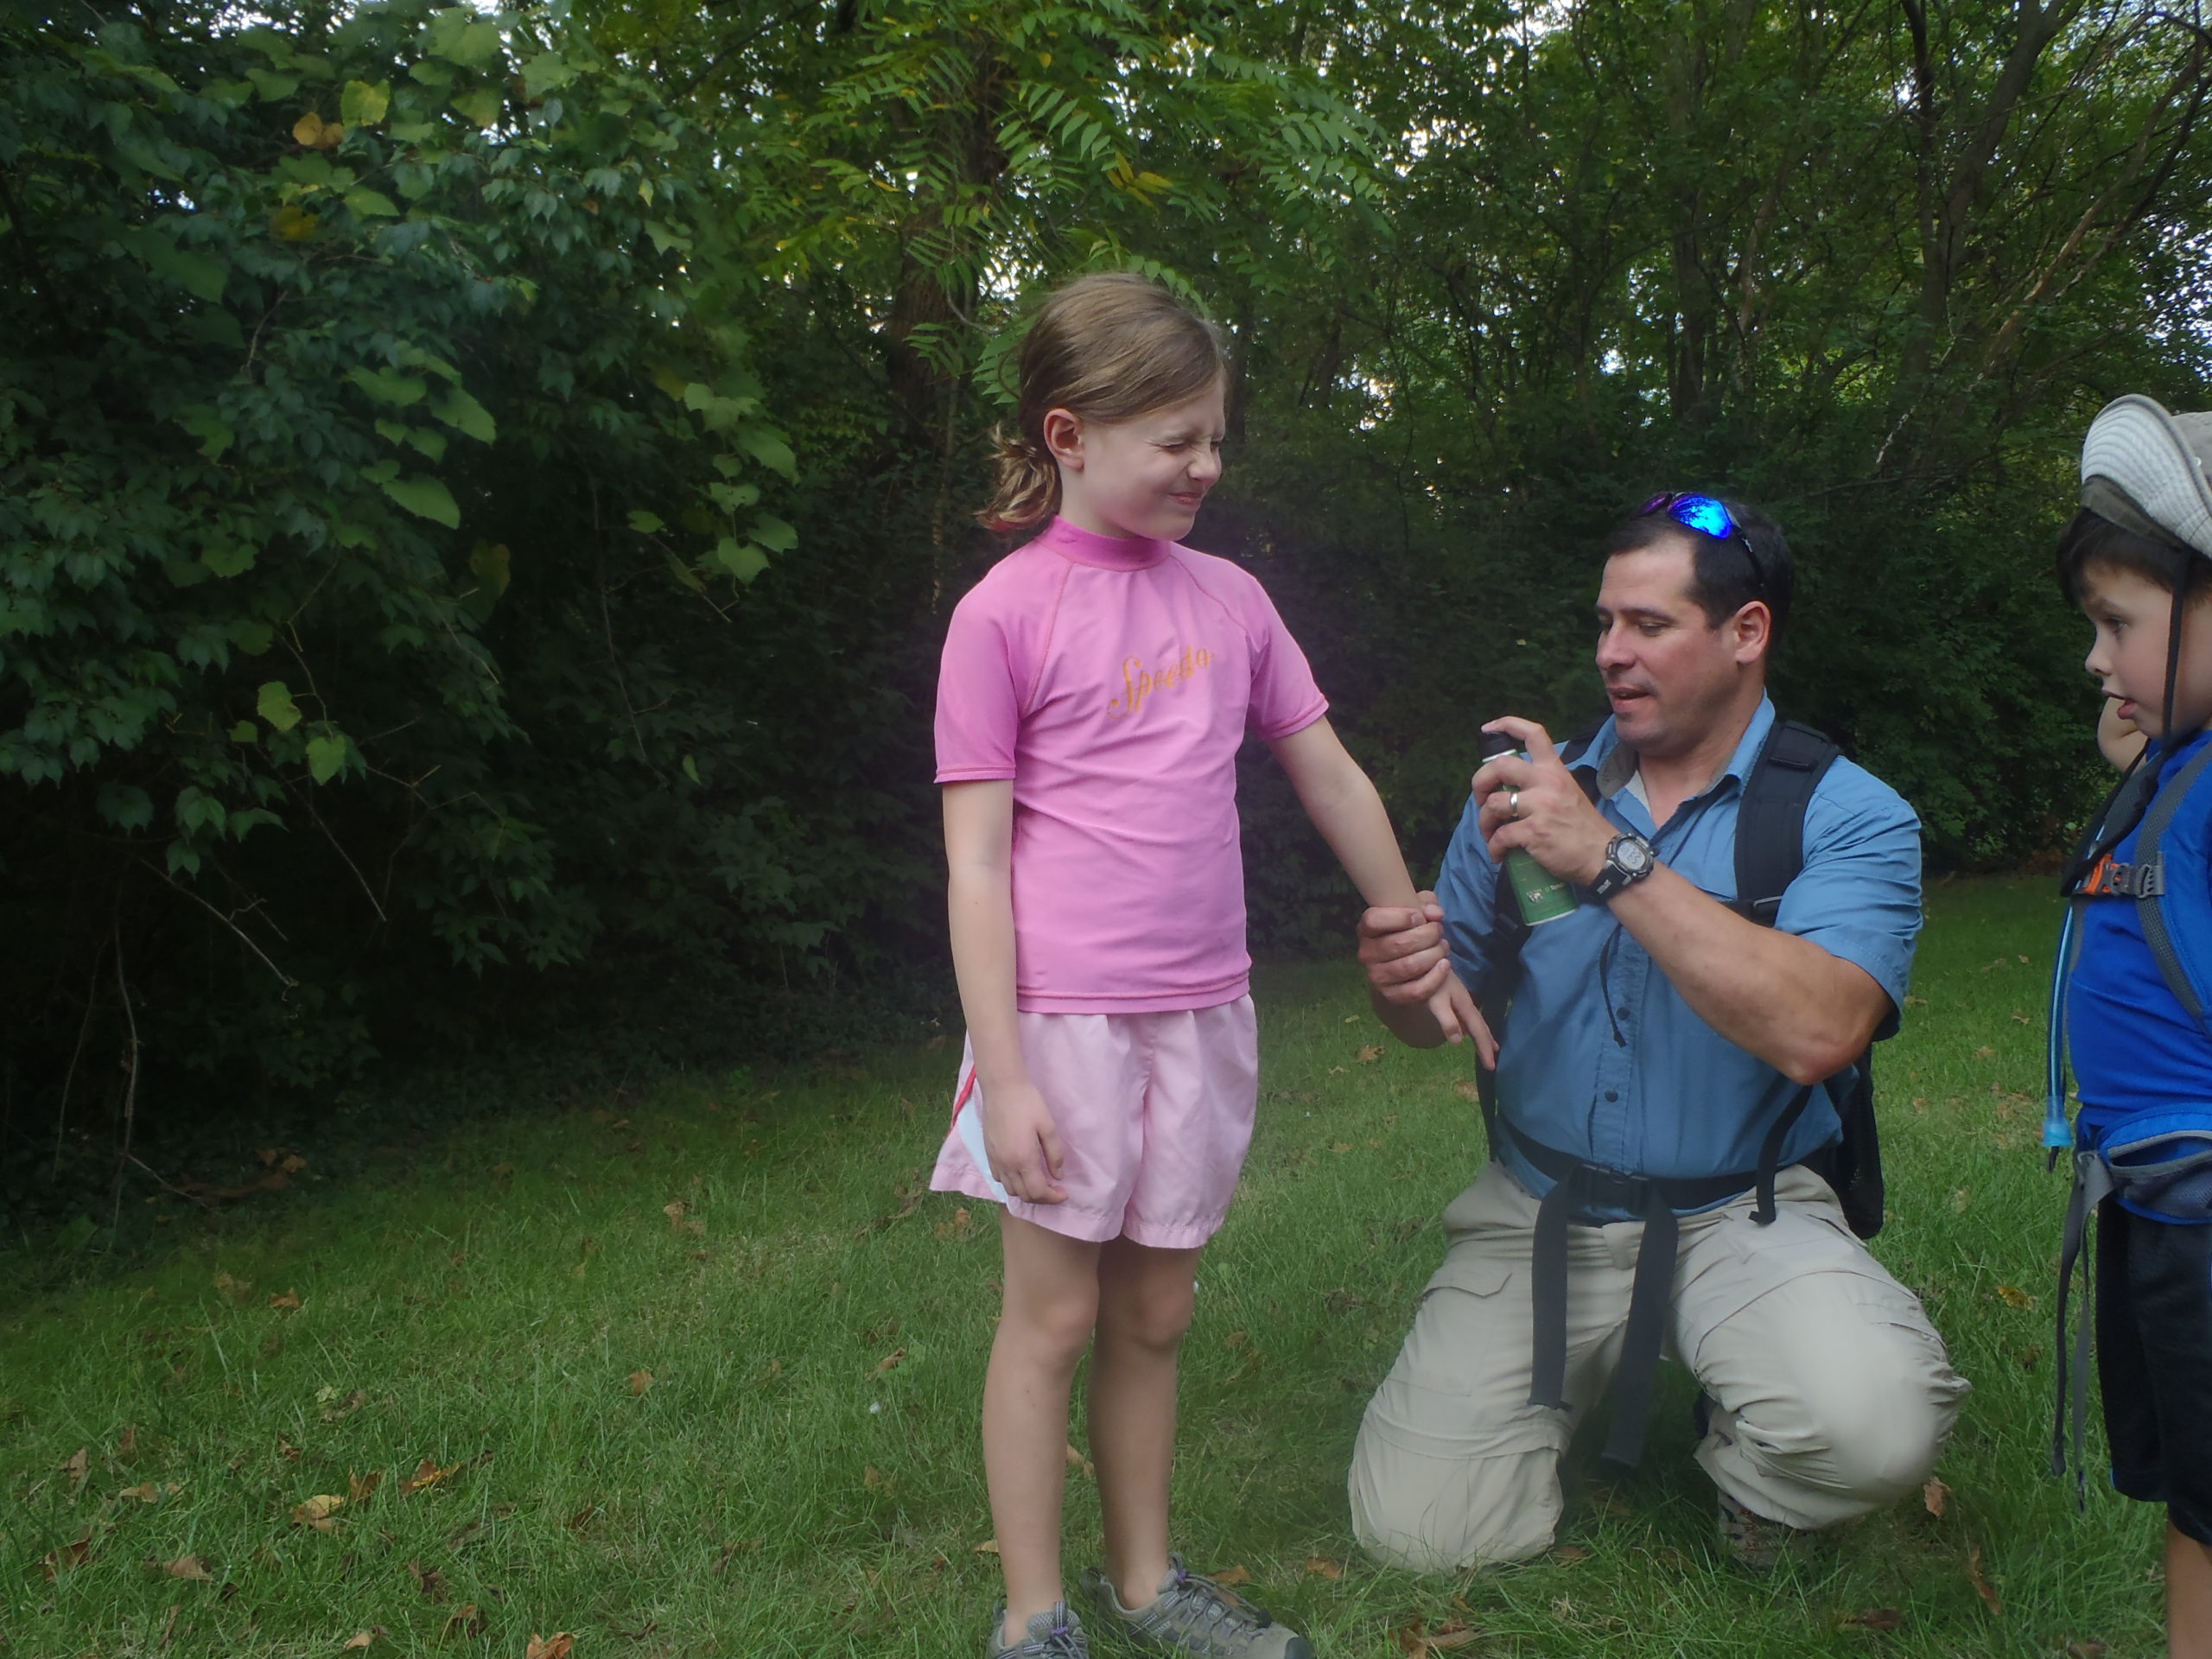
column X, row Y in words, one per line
column 1543, row 896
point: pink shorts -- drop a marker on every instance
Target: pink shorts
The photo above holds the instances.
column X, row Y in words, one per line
column 1154, row 1112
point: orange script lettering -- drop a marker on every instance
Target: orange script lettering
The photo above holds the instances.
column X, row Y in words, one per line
column 1139, row 682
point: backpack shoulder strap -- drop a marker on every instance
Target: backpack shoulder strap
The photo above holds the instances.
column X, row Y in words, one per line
column 2149, row 903
column 1771, row 820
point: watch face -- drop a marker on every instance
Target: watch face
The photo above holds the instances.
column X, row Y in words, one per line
column 1633, row 857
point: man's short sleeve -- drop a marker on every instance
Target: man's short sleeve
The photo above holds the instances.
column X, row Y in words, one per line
column 980, row 689
column 1857, row 897
column 1466, row 887
column 1285, row 698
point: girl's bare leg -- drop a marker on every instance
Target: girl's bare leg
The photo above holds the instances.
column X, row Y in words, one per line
column 2189, row 1596
column 1051, row 1303
column 1144, row 1308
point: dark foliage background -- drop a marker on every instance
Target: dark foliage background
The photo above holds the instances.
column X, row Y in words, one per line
column 479, row 494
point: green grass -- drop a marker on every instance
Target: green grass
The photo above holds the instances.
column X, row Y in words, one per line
column 802, row 1475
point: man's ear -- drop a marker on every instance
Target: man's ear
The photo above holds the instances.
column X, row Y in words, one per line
column 1753, row 627
column 1063, row 438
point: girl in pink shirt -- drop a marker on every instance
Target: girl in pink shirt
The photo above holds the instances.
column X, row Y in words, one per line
column 1096, row 684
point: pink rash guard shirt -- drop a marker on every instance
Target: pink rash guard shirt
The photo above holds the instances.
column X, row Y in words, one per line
column 1113, row 680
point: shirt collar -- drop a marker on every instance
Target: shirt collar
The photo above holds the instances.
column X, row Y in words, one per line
column 1081, row 546
column 1616, row 762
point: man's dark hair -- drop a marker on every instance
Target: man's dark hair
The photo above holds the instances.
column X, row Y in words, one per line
column 2090, row 538
column 1725, row 574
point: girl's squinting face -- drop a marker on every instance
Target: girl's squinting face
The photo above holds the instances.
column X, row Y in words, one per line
column 1143, row 477
column 2131, row 616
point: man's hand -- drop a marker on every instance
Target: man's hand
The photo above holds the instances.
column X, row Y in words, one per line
column 1409, row 967
column 1403, row 951
column 1024, row 1143
column 1536, row 806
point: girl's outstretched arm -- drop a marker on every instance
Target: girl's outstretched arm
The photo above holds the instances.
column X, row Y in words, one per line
column 1343, row 806
column 1019, row 1134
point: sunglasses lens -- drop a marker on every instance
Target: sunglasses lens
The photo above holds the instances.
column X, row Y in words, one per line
column 1705, row 515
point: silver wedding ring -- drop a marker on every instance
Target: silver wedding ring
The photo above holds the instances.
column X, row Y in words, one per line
column 1513, row 801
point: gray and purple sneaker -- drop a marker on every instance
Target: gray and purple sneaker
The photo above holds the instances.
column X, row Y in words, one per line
column 1194, row 1614
column 1053, row 1634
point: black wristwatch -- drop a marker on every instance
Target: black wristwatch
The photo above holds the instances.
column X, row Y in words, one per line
column 1628, row 859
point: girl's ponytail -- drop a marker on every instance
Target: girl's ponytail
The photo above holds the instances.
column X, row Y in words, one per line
column 1106, row 347
column 1027, row 488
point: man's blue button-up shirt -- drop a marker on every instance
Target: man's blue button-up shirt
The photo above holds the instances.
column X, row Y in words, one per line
column 1601, row 1058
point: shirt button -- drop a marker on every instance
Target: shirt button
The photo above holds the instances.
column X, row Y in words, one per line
column 1621, row 1012
column 1613, row 1094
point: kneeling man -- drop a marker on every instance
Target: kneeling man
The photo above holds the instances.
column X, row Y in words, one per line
column 1664, row 1053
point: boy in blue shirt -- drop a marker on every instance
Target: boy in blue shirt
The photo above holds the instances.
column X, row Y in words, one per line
column 2137, row 1001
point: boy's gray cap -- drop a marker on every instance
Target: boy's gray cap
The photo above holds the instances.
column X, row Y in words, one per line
column 2151, row 472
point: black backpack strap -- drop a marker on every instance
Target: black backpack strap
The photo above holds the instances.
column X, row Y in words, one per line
column 1494, row 994
column 1771, row 819
column 2149, row 907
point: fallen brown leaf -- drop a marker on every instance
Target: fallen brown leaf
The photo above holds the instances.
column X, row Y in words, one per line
column 1465, row 1090
column 193, row 1567
column 317, row 1510
column 1985, row 1052
column 1230, row 1576
column 876, row 1481
column 2091, row 1650
column 1570, row 1554
column 1369, row 1054
column 1874, row 1618
column 431, row 1584
column 77, row 1467
column 362, row 1639
column 1078, row 1461
column 640, row 1380
column 1322, row 1568
column 1982, row 1587
column 891, row 1360
column 290, row 1301
column 336, row 1410
column 74, row 1553
column 988, row 1546
column 427, row 1473
column 559, row 1645
column 145, row 1493
column 1453, row 1635
column 359, row 1488
column 2013, row 1296
column 128, row 1443
column 466, row 1620
column 1935, row 1495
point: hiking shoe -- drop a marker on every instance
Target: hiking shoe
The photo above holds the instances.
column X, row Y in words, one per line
column 1195, row 1615
column 1752, row 1541
column 1053, row 1634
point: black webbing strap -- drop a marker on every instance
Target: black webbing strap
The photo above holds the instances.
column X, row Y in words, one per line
column 1580, row 1189
column 2092, row 1181
column 1771, row 816
column 2148, row 909
column 1771, row 1154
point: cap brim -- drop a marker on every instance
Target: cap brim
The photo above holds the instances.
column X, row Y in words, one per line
column 2136, row 444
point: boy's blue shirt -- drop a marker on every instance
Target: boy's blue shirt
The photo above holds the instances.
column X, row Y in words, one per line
column 2134, row 1048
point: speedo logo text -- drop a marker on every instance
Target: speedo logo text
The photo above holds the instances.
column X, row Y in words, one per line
column 1140, row 682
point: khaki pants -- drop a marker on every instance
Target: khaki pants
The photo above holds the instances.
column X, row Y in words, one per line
column 1831, row 1391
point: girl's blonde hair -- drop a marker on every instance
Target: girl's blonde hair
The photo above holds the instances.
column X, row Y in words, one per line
column 1109, row 346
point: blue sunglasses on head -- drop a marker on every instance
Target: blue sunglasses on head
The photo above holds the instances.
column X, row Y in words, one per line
column 1708, row 516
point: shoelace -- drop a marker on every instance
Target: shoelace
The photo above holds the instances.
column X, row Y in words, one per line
column 1221, row 1615
column 1061, row 1643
